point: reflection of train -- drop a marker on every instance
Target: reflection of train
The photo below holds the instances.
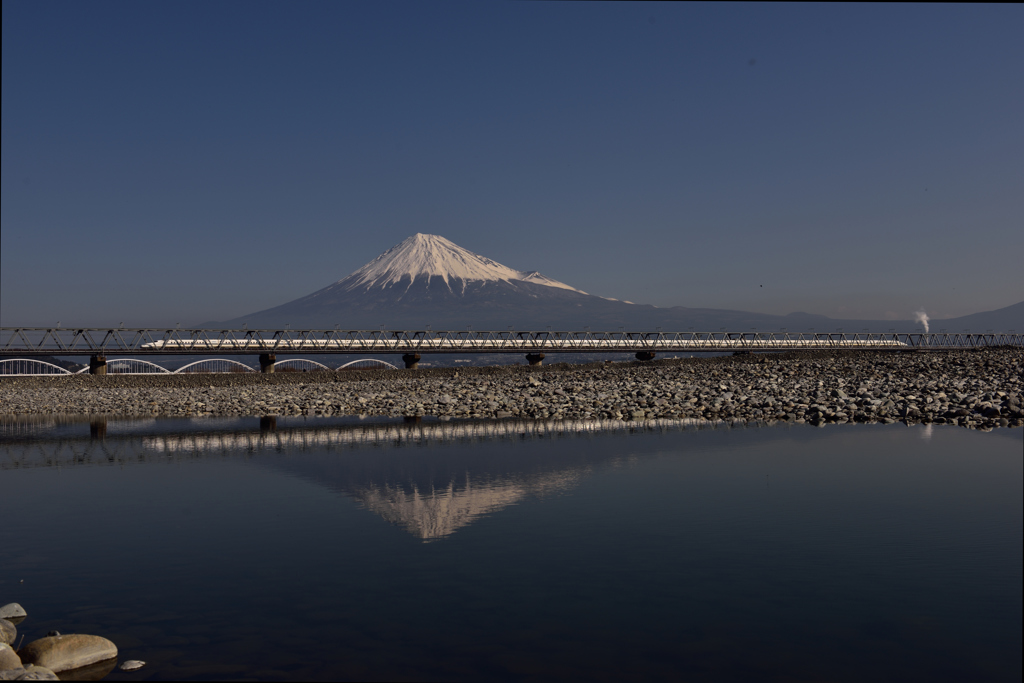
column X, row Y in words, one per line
column 396, row 433
column 513, row 344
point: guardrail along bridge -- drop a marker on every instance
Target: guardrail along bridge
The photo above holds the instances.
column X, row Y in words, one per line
column 99, row 343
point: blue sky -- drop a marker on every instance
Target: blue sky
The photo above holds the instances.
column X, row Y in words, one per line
column 182, row 162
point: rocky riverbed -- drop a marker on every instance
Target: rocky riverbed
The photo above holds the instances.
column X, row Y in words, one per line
column 978, row 389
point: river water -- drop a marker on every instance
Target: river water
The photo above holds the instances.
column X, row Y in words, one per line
column 384, row 550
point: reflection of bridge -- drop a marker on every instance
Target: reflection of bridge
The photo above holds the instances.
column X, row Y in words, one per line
column 98, row 343
column 380, row 464
column 51, row 442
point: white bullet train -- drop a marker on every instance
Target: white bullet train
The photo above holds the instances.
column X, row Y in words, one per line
column 514, row 344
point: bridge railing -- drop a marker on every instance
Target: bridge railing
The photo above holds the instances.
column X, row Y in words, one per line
column 26, row 341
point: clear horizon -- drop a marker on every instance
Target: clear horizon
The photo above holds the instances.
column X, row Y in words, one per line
column 193, row 162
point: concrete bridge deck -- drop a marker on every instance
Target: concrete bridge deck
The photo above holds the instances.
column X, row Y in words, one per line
column 99, row 342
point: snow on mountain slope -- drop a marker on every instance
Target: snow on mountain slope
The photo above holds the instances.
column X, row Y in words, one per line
column 539, row 279
column 432, row 256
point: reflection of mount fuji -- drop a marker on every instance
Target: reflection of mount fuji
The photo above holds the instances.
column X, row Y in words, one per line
column 431, row 478
column 437, row 513
column 433, row 492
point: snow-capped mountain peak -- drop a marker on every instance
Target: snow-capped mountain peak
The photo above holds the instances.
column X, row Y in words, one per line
column 433, row 256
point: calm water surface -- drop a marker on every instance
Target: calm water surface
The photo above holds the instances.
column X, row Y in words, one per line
column 338, row 549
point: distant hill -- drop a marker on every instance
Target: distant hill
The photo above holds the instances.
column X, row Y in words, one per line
column 999, row 320
column 61, row 363
column 429, row 280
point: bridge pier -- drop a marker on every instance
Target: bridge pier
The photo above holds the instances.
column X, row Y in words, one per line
column 535, row 358
column 645, row 355
column 267, row 361
column 97, row 365
column 411, row 360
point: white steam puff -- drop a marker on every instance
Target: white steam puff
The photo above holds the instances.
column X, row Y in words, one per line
column 922, row 318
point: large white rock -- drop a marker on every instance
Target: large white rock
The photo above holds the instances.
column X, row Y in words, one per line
column 72, row 651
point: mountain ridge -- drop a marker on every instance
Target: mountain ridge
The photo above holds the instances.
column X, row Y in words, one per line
column 427, row 280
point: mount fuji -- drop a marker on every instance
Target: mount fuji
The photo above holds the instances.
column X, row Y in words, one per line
column 429, row 280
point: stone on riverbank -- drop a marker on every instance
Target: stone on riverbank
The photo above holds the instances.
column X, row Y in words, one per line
column 8, row 632
column 72, row 651
column 9, row 659
column 29, row 673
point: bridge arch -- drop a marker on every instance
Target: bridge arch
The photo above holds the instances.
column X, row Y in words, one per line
column 367, row 363
column 29, row 367
column 131, row 366
column 302, row 364
column 214, row 365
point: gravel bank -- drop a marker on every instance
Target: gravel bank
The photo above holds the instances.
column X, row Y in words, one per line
column 979, row 389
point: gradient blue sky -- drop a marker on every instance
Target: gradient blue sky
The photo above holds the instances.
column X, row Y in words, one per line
column 188, row 161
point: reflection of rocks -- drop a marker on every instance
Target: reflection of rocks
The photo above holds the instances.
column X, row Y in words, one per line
column 440, row 512
column 12, row 611
column 91, row 672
